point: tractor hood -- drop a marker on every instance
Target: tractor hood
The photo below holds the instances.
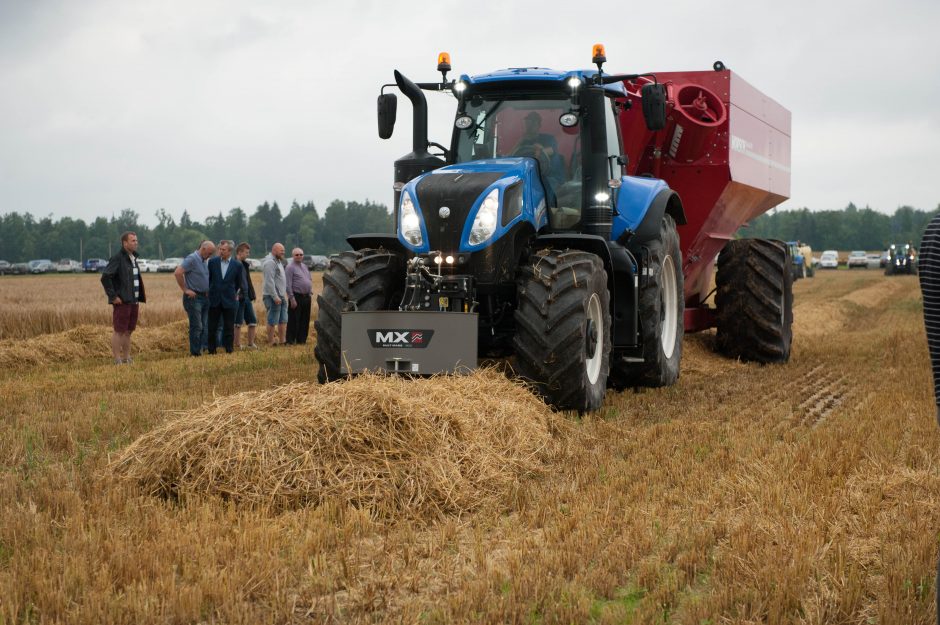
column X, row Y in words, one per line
column 467, row 206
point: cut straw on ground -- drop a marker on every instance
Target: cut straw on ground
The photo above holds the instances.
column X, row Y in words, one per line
column 88, row 341
column 389, row 445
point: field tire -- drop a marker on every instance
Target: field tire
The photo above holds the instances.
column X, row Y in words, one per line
column 370, row 279
column 811, row 272
column 755, row 301
column 662, row 304
column 563, row 334
column 889, row 269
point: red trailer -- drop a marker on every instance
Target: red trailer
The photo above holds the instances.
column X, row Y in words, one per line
column 726, row 151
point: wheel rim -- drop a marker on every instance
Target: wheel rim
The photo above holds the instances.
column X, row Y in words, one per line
column 668, row 315
column 594, row 333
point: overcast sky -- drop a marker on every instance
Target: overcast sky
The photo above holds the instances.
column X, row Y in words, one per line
column 211, row 104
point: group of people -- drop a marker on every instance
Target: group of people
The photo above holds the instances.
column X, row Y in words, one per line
column 218, row 296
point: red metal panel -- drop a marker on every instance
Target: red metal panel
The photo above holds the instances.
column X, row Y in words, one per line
column 725, row 150
column 699, row 318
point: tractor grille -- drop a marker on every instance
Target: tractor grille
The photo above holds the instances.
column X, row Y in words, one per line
column 457, row 192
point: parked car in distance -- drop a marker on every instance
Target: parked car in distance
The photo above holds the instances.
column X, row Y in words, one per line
column 67, row 265
column 874, row 261
column 148, row 266
column 315, row 262
column 43, row 265
column 885, row 258
column 93, row 265
column 254, row 264
column 829, row 260
column 857, row 258
column 5, row 268
column 169, row 265
column 19, row 269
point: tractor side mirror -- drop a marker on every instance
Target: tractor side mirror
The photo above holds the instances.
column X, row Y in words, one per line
column 388, row 107
column 654, row 106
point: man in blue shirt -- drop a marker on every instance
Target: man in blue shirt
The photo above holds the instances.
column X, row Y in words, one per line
column 192, row 276
column 225, row 278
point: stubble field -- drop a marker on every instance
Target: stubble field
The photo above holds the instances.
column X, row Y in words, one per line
column 802, row 493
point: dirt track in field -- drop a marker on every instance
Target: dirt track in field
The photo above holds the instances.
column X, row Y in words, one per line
column 802, row 493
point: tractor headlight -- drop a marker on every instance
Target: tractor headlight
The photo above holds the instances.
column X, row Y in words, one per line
column 484, row 225
column 409, row 223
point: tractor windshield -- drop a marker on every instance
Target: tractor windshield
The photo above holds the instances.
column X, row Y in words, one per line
column 526, row 125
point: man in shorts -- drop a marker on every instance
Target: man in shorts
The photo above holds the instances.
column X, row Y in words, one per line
column 245, row 313
column 125, row 290
column 274, row 294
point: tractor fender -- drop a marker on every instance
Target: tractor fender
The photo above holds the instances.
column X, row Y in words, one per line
column 621, row 268
column 377, row 240
column 590, row 243
column 666, row 201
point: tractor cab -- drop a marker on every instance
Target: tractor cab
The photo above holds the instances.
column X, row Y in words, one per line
column 549, row 117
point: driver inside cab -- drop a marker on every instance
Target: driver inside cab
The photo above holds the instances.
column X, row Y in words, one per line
column 538, row 145
column 542, row 147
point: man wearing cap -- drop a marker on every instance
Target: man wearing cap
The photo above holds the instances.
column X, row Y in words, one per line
column 533, row 143
column 192, row 276
column 542, row 147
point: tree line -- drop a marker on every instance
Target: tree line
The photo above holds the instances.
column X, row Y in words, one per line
column 851, row 228
column 24, row 237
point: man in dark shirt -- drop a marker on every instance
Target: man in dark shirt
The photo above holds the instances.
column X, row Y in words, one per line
column 245, row 313
column 225, row 280
column 544, row 148
column 125, row 290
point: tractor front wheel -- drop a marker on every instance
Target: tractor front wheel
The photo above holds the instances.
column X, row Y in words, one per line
column 563, row 335
column 370, row 279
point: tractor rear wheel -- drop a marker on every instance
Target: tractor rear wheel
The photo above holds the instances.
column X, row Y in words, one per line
column 563, row 336
column 369, row 279
column 755, row 300
column 662, row 316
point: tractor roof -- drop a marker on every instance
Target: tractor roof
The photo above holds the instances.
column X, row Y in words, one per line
column 540, row 74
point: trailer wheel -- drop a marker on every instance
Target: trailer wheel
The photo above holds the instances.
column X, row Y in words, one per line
column 662, row 316
column 365, row 280
column 755, row 301
column 563, row 338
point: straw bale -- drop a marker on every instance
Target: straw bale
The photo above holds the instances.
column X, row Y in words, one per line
column 392, row 446
column 87, row 341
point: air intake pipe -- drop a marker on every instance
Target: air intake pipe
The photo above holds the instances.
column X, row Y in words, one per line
column 419, row 105
column 419, row 160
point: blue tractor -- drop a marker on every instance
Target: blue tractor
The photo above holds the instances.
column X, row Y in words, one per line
column 524, row 238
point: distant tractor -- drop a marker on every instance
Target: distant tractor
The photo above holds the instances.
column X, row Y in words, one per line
column 802, row 256
column 573, row 224
column 901, row 260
